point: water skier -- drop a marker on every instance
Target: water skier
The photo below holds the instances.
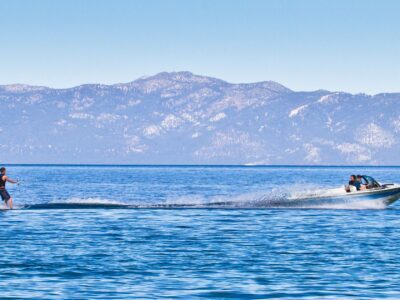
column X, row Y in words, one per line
column 8, row 201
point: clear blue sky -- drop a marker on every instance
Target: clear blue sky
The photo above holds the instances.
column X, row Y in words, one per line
column 344, row 45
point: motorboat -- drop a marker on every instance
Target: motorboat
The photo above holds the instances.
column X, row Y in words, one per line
column 372, row 195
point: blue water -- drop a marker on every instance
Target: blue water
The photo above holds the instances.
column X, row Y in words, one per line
column 152, row 232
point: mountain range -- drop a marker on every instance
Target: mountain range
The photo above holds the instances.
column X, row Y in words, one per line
column 182, row 118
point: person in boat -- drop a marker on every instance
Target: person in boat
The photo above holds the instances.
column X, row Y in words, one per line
column 8, row 201
column 353, row 180
column 360, row 184
column 352, row 185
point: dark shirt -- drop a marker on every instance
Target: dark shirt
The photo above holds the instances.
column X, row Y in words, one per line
column 355, row 183
column 2, row 182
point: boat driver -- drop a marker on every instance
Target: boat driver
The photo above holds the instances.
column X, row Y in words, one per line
column 361, row 186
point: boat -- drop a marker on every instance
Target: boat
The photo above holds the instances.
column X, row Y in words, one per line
column 374, row 195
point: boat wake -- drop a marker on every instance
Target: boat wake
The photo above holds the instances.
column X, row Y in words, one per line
column 275, row 198
column 77, row 203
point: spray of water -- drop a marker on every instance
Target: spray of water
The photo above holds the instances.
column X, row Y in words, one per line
column 300, row 196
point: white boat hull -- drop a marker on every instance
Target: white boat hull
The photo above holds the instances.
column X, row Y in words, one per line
column 374, row 197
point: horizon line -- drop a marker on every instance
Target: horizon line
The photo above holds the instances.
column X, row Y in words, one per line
column 193, row 165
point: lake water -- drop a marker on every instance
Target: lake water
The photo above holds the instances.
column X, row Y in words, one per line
column 123, row 232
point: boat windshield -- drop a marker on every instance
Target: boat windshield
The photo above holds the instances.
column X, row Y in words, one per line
column 370, row 182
